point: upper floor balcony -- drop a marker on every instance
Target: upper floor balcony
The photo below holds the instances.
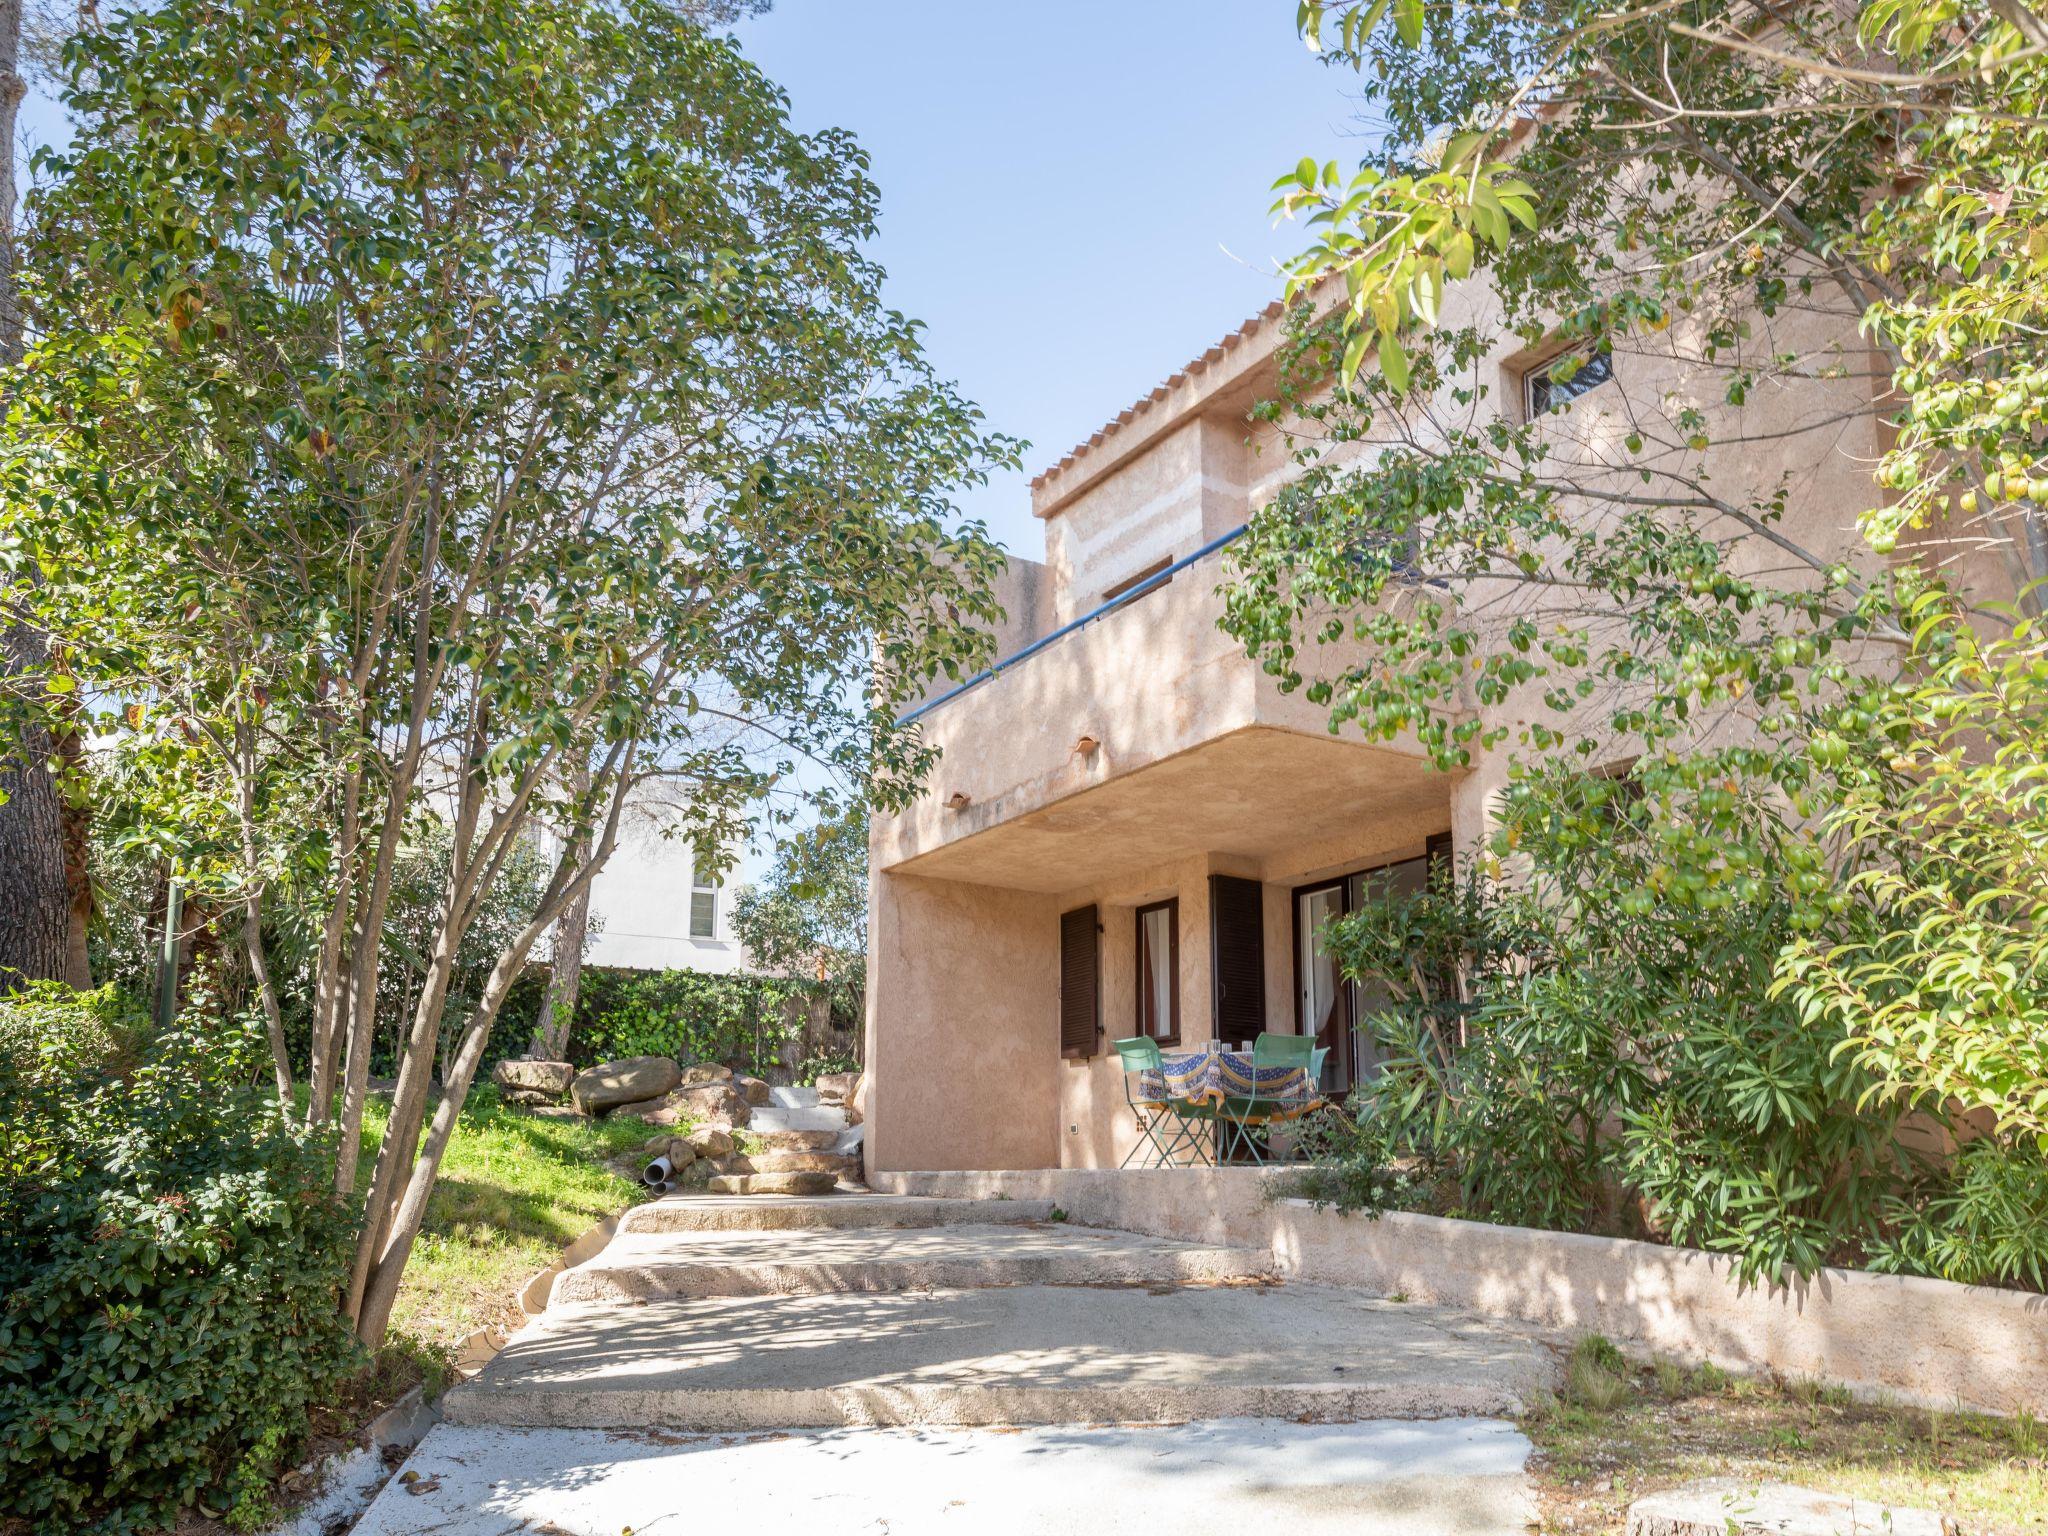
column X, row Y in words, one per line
column 1134, row 734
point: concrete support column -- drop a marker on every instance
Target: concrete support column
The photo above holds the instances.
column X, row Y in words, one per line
column 962, row 1026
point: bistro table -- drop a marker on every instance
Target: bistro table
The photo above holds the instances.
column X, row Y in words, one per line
column 1211, row 1083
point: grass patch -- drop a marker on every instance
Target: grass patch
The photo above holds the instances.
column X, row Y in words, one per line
column 515, row 1189
column 1622, row 1429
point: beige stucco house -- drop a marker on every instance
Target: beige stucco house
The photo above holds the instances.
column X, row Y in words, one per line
column 1127, row 788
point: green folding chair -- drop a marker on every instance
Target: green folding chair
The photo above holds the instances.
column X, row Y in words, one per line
column 1273, row 1056
column 1167, row 1128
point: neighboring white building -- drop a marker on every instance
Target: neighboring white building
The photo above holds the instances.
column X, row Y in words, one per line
column 651, row 908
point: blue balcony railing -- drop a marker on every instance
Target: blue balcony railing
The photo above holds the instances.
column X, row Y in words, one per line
column 1121, row 600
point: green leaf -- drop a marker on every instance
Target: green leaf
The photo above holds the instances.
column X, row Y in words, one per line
column 1394, row 363
column 1408, row 21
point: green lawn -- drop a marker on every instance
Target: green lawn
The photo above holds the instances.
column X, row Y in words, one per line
column 1620, row 1430
column 514, row 1190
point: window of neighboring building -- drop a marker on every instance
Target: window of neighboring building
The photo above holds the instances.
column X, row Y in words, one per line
column 703, row 905
column 1130, row 582
column 1159, row 971
column 1563, row 379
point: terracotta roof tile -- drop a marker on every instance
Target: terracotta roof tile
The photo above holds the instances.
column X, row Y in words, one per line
column 1131, row 412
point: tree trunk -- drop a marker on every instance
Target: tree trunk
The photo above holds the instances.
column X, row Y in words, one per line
column 35, row 896
column 572, row 931
column 558, row 1009
column 35, row 902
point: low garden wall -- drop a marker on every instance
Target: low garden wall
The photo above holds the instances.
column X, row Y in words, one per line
column 1929, row 1342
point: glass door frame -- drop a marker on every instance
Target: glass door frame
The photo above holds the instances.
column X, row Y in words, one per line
column 1437, row 847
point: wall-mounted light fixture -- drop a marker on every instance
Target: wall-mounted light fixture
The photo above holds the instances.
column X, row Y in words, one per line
column 959, row 800
column 1088, row 746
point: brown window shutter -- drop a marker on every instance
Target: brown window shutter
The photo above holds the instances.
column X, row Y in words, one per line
column 1080, row 981
column 1237, row 953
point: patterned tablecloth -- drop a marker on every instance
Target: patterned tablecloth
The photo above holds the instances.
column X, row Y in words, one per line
column 1212, row 1077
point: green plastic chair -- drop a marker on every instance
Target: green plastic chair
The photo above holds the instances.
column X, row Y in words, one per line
column 1168, row 1128
column 1239, row 1114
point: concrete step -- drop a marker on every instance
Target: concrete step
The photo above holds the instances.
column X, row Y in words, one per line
column 792, row 1141
column 793, row 1098
column 802, row 1118
column 711, row 1213
column 835, row 1163
column 649, row 1266
column 1011, row 1355
column 773, row 1184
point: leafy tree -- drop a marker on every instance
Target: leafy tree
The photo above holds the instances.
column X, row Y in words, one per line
column 808, row 921
column 1818, row 221
column 427, row 398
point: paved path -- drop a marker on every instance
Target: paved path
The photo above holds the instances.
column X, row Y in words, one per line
column 746, row 1359
column 1244, row 1477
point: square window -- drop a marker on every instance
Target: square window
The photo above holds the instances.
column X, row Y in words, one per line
column 1563, row 379
column 703, row 904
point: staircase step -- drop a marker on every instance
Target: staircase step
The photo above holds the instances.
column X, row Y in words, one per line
column 771, row 1118
column 793, row 1098
column 1011, row 1355
column 792, row 1141
column 648, row 1266
column 801, row 1183
column 837, row 1164
column 700, row 1213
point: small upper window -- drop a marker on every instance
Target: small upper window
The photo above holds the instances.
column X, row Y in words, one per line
column 703, row 905
column 1132, row 583
column 1565, row 378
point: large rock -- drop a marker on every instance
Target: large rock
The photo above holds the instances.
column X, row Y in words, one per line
column 546, row 1077
column 710, row 1141
column 1738, row 1506
column 838, row 1088
column 752, row 1089
column 631, row 1081
column 713, row 1104
column 681, row 1153
column 704, row 1074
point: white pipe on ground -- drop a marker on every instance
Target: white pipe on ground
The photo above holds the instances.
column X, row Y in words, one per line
column 657, row 1173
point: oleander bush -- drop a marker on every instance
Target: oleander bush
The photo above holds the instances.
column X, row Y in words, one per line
column 172, row 1256
column 1634, row 1073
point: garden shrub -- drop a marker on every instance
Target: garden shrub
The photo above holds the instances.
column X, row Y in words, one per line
column 1635, row 1072
column 170, row 1272
column 689, row 1015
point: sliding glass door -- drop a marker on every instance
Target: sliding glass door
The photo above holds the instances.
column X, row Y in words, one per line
column 1336, row 1011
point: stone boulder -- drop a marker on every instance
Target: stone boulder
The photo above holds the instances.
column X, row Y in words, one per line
column 713, row 1104
column 527, row 1098
column 681, row 1153
column 631, row 1081
column 752, row 1089
column 548, row 1078
column 837, row 1089
column 704, row 1074
column 710, row 1141
column 1740, row 1506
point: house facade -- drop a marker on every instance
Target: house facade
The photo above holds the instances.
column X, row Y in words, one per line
column 653, row 906
column 1132, row 830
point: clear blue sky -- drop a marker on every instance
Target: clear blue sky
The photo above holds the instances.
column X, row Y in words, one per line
column 1074, row 192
